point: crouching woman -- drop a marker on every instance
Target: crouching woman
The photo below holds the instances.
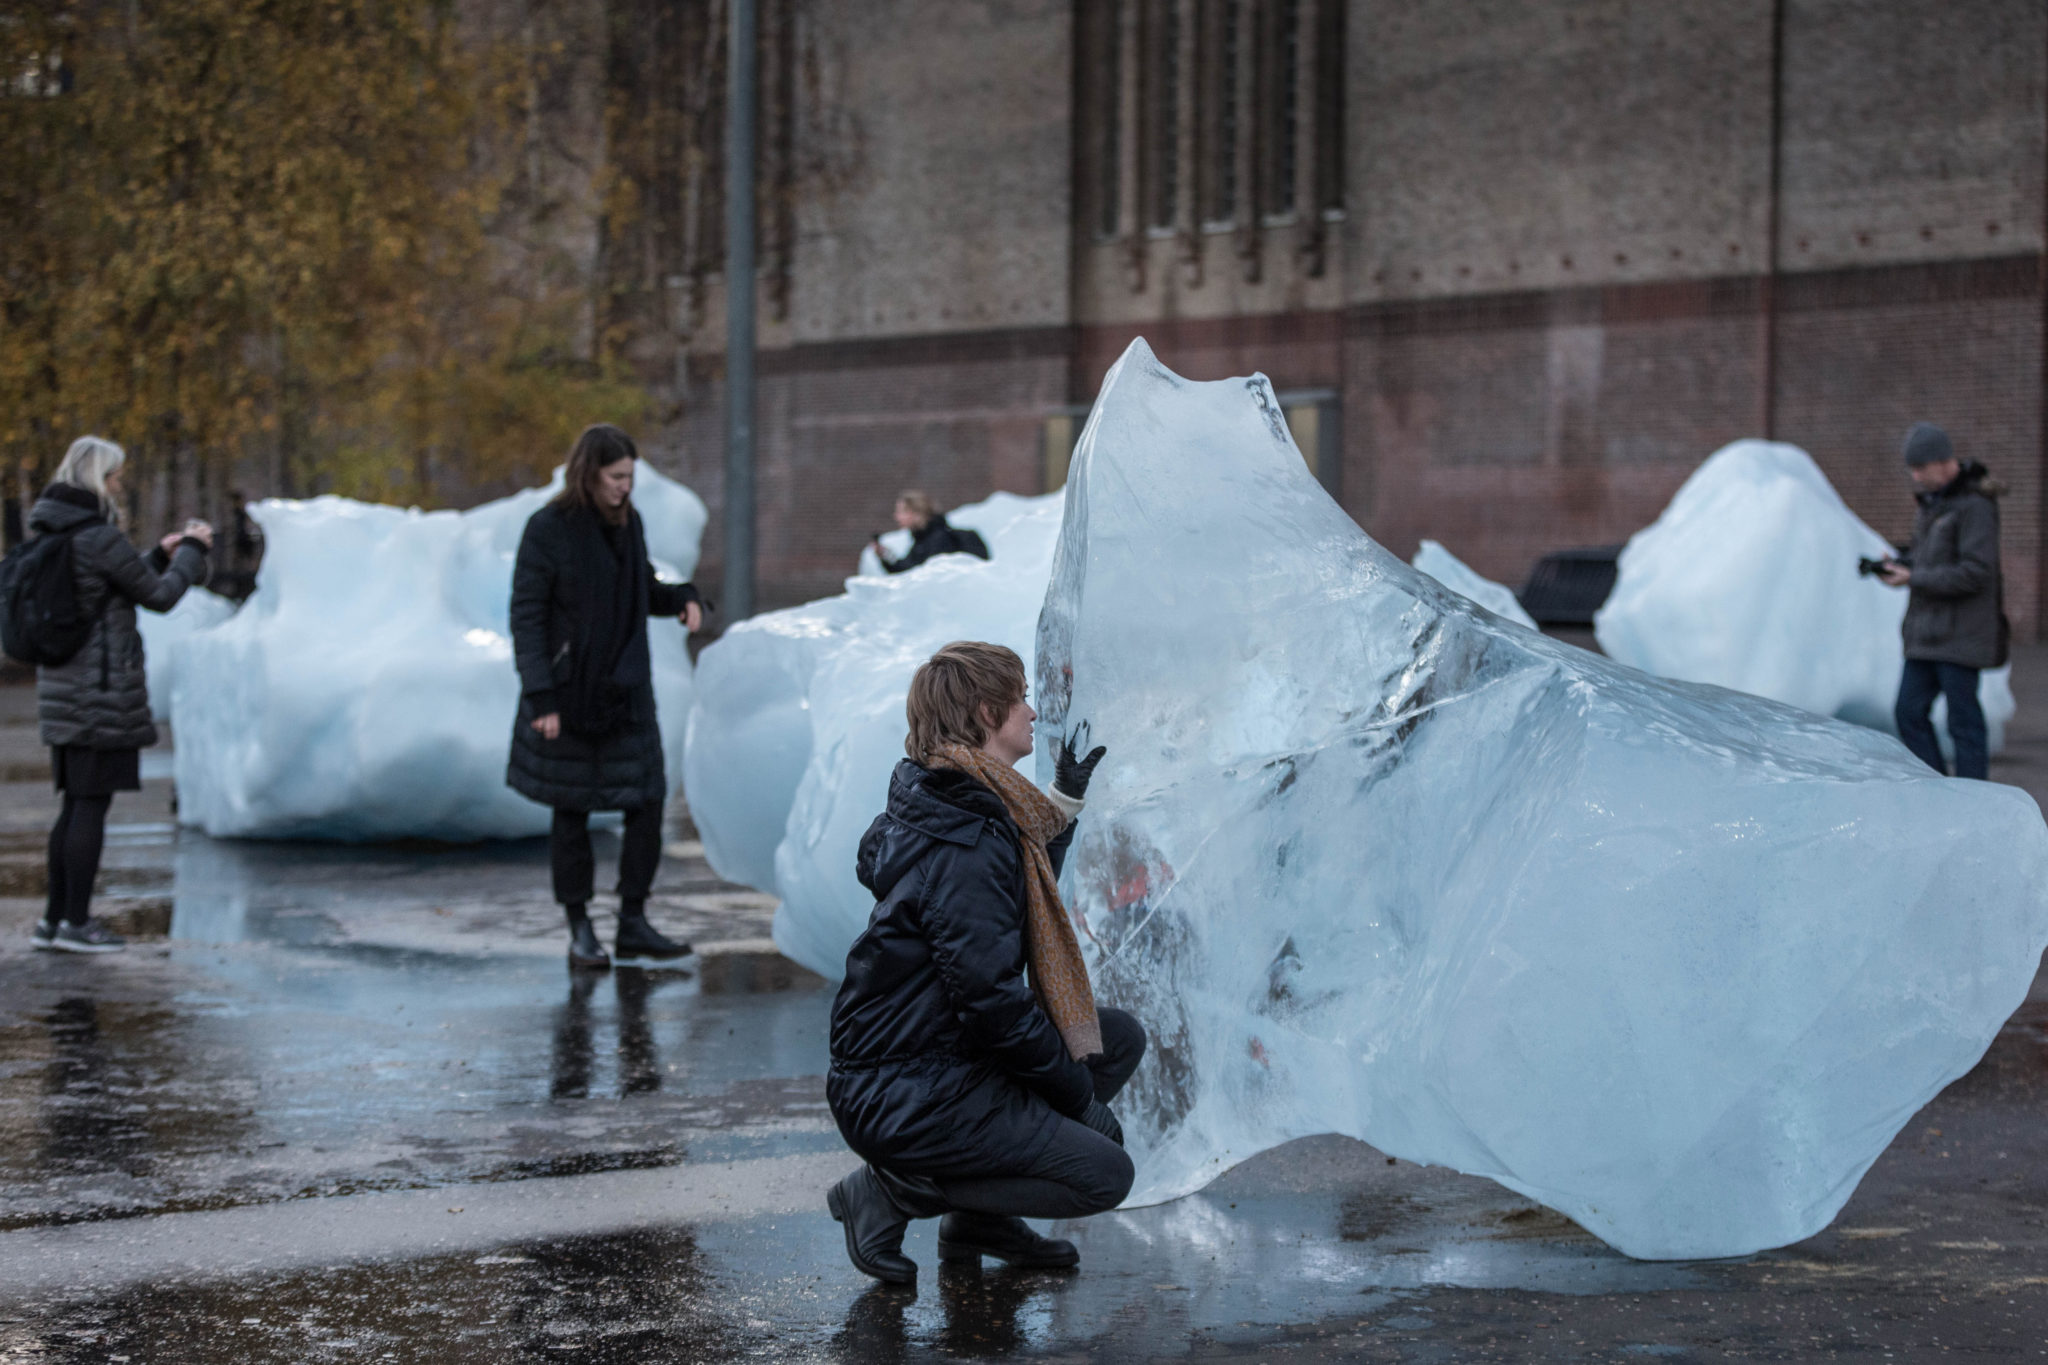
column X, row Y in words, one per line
column 972, row 1090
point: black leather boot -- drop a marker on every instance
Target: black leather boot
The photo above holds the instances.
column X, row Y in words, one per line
column 585, row 951
column 971, row 1236
column 874, row 1227
column 636, row 943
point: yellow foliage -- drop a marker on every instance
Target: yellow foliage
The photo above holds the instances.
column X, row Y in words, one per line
column 230, row 227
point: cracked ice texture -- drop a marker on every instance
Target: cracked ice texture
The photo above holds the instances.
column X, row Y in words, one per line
column 1454, row 573
column 1676, row 961
column 366, row 690
column 799, row 717
column 1748, row 580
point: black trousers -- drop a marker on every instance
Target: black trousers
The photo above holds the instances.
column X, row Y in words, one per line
column 75, row 843
column 1919, row 685
column 575, row 867
column 1080, row 1171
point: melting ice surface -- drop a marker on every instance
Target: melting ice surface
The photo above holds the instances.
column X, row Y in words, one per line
column 1674, row 960
column 197, row 610
column 366, row 689
column 1748, row 580
column 1454, row 573
column 799, row 717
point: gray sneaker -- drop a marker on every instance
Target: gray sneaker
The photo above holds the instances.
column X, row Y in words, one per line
column 89, row 937
column 45, row 937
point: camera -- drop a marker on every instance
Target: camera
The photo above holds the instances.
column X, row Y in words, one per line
column 1869, row 568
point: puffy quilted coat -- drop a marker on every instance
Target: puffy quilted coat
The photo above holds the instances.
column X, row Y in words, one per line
column 99, row 698
column 578, row 593
column 943, row 1061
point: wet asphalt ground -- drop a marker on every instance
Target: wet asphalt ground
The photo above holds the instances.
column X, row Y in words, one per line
column 347, row 1104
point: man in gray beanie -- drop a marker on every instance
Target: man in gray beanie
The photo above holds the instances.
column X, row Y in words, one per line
column 1955, row 623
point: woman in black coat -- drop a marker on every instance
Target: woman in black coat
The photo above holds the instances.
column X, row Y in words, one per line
column 94, row 707
column 586, row 738
column 950, row 1076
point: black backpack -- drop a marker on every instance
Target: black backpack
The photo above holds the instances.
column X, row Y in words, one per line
column 39, row 618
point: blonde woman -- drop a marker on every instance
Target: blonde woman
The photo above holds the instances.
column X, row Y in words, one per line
column 94, row 707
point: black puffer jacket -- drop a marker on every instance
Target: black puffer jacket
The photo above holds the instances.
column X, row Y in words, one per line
column 943, row 1062
column 936, row 537
column 99, row 697
column 1955, row 613
column 580, row 603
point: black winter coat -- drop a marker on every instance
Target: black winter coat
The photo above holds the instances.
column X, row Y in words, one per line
column 943, row 1062
column 936, row 537
column 580, row 603
column 99, row 697
column 1955, row 613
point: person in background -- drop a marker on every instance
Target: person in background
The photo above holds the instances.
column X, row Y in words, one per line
column 929, row 534
column 969, row 1089
column 94, row 707
column 1955, row 624
column 586, row 737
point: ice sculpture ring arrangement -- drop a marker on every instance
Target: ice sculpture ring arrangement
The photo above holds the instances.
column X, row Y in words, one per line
column 1674, row 960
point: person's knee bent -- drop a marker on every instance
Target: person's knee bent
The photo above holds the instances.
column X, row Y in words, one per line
column 1111, row 1182
column 1123, row 1037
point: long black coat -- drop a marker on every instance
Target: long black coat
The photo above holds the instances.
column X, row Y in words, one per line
column 567, row 583
column 1954, row 613
column 943, row 1062
column 99, row 697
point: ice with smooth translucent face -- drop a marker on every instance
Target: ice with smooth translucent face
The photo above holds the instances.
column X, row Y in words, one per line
column 366, row 689
column 799, row 717
column 1674, row 960
column 1461, row 578
column 197, row 610
column 1748, row 580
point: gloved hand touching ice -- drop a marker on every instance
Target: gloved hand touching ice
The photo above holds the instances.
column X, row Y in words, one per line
column 1071, row 774
column 1102, row 1119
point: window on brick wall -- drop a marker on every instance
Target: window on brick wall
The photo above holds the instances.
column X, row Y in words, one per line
column 1208, row 115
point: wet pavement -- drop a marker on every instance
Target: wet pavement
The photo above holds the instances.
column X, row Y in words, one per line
column 348, row 1104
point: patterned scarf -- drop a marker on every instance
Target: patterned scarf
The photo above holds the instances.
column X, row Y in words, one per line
column 1058, row 974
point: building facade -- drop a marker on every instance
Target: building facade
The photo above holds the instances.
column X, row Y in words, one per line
column 1516, row 268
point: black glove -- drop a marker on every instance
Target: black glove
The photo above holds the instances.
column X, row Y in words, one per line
column 1098, row 1117
column 1071, row 774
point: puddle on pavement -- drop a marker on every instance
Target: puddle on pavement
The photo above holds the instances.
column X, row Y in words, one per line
column 1153, row 1282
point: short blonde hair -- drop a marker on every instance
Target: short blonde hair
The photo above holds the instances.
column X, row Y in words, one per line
column 920, row 504
column 954, row 693
column 87, row 464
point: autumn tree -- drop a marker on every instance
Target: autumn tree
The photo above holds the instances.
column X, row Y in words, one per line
column 256, row 235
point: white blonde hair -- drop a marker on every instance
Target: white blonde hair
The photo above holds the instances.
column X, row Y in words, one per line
column 87, row 464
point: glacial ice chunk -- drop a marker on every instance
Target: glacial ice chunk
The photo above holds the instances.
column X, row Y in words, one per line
column 1748, row 580
column 1454, row 573
column 366, row 690
column 1674, row 960
column 197, row 610
column 799, row 717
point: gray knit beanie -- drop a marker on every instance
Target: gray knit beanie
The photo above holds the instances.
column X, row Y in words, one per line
column 1927, row 443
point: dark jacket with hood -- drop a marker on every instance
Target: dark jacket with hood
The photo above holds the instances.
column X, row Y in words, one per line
column 943, row 1061
column 1956, row 611
column 582, row 591
column 936, row 537
column 99, row 697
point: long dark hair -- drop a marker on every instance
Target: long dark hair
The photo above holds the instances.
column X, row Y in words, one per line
column 598, row 446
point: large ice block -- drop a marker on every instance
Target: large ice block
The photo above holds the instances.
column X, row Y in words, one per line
column 799, row 717
column 197, row 610
column 1674, row 960
column 1461, row 578
column 366, row 690
column 1748, row 580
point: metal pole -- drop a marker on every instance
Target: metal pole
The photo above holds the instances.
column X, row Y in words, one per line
column 739, row 314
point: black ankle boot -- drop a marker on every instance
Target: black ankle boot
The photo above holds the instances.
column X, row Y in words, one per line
column 584, row 949
column 874, row 1228
column 636, row 942
column 971, row 1236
